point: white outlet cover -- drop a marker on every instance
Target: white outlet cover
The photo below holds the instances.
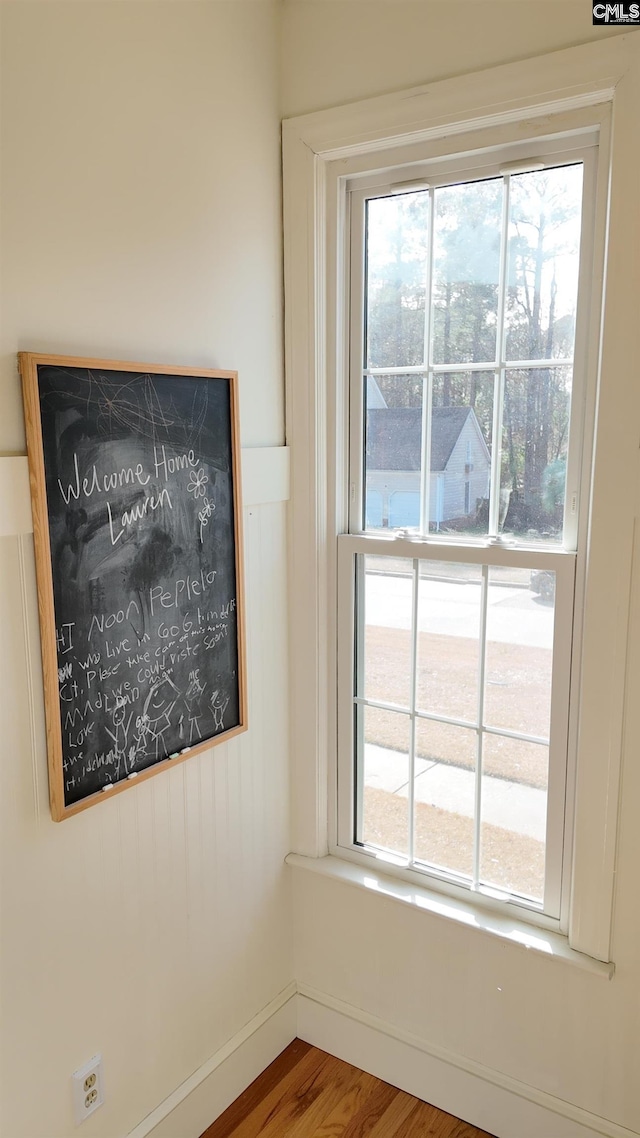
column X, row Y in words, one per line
column 83, row 1103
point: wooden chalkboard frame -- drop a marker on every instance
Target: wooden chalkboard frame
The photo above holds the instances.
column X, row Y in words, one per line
column 29, row 362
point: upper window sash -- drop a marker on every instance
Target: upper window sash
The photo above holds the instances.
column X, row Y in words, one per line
column 492, row 373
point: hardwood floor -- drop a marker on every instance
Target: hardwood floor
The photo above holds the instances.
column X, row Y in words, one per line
column 306, row 1093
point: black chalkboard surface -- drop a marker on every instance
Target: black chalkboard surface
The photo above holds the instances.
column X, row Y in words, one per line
column 135, row 491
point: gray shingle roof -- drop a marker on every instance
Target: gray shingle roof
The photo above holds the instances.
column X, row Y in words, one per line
column 394, row 435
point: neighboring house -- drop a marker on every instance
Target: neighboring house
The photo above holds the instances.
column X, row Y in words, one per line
column 460, row 464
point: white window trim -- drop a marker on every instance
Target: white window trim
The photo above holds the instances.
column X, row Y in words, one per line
column 598, row 73
column 573, row 135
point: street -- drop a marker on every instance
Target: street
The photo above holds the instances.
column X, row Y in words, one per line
column 452, row 607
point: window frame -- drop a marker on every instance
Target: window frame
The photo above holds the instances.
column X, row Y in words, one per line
column 595, row 80
column 580, row 146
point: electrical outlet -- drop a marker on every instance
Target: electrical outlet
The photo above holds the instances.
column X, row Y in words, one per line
column 88, row 1088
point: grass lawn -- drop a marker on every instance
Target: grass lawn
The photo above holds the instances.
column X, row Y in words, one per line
column 508, row 860
column 517, row 698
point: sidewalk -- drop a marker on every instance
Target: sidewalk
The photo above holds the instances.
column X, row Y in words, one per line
column 509, row 805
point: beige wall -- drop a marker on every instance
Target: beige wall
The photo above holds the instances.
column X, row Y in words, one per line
column 141, row 191
column 335, row 51
column 141, row 220
column 565, row 1032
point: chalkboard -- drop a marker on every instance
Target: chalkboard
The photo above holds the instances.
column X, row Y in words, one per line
column 137, row 525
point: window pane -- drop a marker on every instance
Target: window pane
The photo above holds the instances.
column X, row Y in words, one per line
column 393, row 450
column 517, row 659
column 445, row 795
column 385, row 777
column 544, row 245
column 534, row 451
column 396, row 279
column 465, row 271
column 517, row 761
column 479, row 655
column 385, row 671
column 514, row 815
column 448, row 639
column 519, row 650
column 461, row 425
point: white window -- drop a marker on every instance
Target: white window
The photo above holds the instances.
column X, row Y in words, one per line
column 453, row 709
column 459, row 611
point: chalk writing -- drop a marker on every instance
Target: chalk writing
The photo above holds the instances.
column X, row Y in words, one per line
column 137, row 513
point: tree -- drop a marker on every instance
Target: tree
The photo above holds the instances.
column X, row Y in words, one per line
column 396, row 281
column 542, row 277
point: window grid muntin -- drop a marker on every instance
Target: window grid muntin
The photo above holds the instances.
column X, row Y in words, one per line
column 498, row 391
column 413, row 684
column 482, row 670
column 420, row 369
column 434, row 717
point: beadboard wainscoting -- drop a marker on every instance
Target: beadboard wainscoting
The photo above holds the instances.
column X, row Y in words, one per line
column 164, row 913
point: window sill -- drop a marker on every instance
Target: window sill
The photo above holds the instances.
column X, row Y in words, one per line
column 506, row 929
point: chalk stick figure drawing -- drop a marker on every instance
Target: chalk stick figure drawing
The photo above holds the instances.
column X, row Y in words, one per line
column 157, row 709
column 218, row 701
column 192, row 698
column 120, row 733
column 139, row 744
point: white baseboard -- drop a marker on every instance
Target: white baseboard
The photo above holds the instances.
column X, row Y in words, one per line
column 195, row 1104
column 480, row 1095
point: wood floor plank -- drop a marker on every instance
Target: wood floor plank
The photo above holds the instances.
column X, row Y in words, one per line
column 427, row 1121
column 363, row 1124
column 337, row 1078
column 289, row 1071
column 448, row 1126
column 398, row 1110
column 334, row 1124
column 287, row 1103
column 421, row 1123
column 458, row 1129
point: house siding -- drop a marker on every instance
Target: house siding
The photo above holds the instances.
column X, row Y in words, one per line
column 455, row 476
column 382, row 485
